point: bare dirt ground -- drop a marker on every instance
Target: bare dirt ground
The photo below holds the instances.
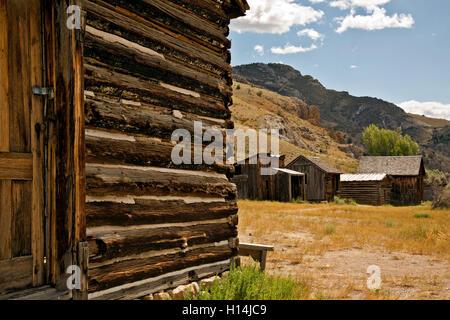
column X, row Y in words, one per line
column 320, row 244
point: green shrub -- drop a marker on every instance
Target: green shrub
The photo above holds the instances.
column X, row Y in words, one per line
column 259, row 93
column 389, row 223
column 299, row 200
column 330, row 229
column 250, row 283
column 421, row 215
column 238, row 87
column 338, row 200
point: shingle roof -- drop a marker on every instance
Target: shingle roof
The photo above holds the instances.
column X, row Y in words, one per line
column 363, row 177
column 322, row 164
column 394, row 166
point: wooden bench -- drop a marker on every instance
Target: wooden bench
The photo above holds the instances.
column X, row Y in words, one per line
column 257, row 251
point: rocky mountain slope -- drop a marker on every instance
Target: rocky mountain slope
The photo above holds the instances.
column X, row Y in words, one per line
column 343, row 112
column 259, row 108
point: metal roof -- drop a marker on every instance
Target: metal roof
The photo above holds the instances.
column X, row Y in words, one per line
column 291, row 172
column 363, row 177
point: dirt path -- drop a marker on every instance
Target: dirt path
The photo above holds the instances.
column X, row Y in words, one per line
column 342, row 274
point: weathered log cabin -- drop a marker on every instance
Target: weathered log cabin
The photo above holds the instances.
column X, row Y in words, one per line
column 321, row 178
column 370, row 188
column 281, row 185
column 86, row 117
column 407, row 175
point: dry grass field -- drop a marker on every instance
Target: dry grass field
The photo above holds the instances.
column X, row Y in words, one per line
column 330, row 246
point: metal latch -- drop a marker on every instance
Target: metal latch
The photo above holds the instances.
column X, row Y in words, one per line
column 43, row 91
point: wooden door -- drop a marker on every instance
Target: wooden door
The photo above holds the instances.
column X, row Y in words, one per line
column 21, row 146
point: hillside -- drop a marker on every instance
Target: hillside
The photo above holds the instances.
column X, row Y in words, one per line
column 344, row 112
column 259, row 108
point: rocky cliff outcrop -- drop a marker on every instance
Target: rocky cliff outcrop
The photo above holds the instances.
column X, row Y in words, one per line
column 344, row 112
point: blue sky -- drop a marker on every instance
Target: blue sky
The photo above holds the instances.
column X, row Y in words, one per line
column 396, row 50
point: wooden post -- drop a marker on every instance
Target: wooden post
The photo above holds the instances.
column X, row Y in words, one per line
column 66, row 165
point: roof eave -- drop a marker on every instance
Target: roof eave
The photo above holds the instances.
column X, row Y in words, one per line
column 235, row 8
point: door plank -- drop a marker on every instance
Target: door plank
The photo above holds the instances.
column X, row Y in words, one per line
column 16, row 166
column 4, row 107
column 37, row 146
column 5, row 219
column 16, row 273
column 19, row 60
column 21, row 218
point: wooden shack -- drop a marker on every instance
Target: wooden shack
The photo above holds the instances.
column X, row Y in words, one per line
column 281, row 185
column 406, row 173
column 86, row 117
column 371, row 188
column 321, row 178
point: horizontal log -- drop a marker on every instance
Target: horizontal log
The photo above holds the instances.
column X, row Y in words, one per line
column 16, row 166
column 154, row 211
column 170, row 19
column 107, row 82
column 123, row 181
column 142, row 118
column 129, row 271
column 167, row 281
column 171, row 46
column 208, row 9
column 121, row 54
column 141, row 152
column 106, row 245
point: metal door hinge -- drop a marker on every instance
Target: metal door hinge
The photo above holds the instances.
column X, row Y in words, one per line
column 44, row 91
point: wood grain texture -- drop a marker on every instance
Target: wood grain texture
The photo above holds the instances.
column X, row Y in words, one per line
column 16, row 166
column 124, row 181
column 122, row 54
column 21, row 218
column 163, row 282
column 5, row 219
column 19, row 76
column 170, row 46
column 37, row 146
column 142, row 152
column 16, row 274
column 134, row 270
column 154, row 211
column 106, row 245
column 108, row 82
column 4, row 78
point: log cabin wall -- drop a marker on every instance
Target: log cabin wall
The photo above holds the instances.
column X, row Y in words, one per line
column 407, row 190
column 322, row 179
column 367, row 192
column 314, row 181
column 153, row 66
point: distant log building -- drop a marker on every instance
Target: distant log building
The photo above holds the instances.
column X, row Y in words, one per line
column 406, row 173
column 282, row 185
column 321, row 178
column 371, row 188
column 86, row 117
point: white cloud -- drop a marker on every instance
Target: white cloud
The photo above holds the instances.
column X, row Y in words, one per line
column 316, row 1
column 259, row 49
column 429, row 109
column 354, row 66
column 275, row 16
column 290, row 49
column 311, row 33
column 369, row 5
column 376, row 21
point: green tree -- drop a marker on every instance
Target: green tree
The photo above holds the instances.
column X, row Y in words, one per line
column 383, row 142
